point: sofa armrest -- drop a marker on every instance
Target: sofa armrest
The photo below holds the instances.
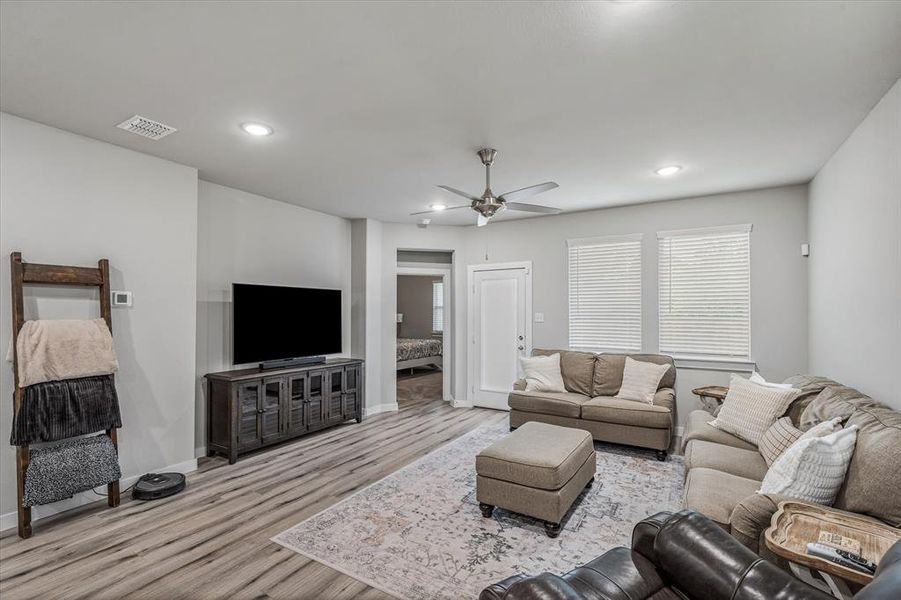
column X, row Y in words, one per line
column 751, row 517
column 540, row 587
column 519, row 385
column 645, row 531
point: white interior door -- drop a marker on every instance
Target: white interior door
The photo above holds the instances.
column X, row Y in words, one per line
column 499, row 334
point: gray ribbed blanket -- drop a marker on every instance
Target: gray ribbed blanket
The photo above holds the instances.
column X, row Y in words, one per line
column 55, row 410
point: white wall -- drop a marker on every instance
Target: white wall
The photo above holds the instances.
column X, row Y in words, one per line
column 778, row 272
column 247, row 238
column 855, row 257
column 67, row 199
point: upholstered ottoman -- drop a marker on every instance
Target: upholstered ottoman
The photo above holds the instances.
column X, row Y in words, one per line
column 538, row 470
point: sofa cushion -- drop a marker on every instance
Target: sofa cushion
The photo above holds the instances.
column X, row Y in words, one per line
column 697, row 428
column 629, row 412
column 537, row 455
column 576, row 367
column 564, row 404
column 810, row 386
column 608, row 372
column 838, row 401
column 872, row 481
column 728, row 459
column 715, row 493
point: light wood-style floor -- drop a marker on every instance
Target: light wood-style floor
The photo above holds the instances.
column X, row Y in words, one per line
column 212, row 540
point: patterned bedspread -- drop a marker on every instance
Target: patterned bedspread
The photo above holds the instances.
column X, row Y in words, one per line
column 408, row 349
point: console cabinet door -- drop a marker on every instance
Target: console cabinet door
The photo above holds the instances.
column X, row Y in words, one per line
column 335, row 389
column 315, row 405
column 298, row 397
column 351, row 400
column 271, row 416
column 249, row 399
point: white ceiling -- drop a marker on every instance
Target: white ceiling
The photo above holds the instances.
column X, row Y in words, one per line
column 375, row 103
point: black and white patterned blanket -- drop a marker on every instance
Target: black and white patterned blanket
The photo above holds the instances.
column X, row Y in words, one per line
column 408, row 348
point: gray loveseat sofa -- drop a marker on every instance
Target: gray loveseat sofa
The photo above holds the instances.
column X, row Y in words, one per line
column 724, row 472
column 592, row 381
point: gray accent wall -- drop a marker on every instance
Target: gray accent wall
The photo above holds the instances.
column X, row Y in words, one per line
column 855, row 257
column 246, row 238
column 414, row 300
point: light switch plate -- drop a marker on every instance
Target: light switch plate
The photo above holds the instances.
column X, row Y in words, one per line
column 539, row 317
column 121, row 298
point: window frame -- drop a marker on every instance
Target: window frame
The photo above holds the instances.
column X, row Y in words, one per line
column 722, row 362
column 600, row 241
column 437, row 292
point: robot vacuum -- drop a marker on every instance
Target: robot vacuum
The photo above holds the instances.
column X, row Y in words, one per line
column 154, row 486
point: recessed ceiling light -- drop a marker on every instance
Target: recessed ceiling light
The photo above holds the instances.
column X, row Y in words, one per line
column 667, row 171
column 438, row 206
column 256, row 129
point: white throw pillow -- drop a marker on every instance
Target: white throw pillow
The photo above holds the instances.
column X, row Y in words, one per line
column 640, row 380
column 542, row 373
column 813, row 468
column 749, row 409
column 758, row 378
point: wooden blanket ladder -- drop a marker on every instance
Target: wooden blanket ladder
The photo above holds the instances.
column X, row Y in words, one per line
column 30, row 273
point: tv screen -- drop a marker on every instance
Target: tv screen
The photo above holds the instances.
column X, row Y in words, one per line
column 272, row 322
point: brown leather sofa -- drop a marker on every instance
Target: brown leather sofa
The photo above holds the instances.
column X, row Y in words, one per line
column 723, row 473
column 592, row 381
column 680, row 556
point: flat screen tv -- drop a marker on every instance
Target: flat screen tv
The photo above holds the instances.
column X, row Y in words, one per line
column 273, row 322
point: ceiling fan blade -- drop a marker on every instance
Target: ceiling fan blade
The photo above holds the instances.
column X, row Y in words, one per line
column 482, row 221
column 527, row 191
column 533, row 208
column 459, row 193
column 443, row 210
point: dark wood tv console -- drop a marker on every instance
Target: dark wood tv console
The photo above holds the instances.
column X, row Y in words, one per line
column 249, row 409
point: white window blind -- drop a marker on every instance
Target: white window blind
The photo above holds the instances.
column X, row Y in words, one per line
column 437, row 306
column 605, row 293
column 705, row 292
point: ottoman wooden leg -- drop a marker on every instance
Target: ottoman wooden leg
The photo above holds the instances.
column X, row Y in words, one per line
column 486, row 509
column 590, row 483
column 661, row 455
column 551, row 529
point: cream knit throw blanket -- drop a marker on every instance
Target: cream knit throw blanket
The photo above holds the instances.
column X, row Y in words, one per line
column 52, row 350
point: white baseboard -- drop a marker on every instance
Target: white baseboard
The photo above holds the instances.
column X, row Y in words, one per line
column 678, row 431
column 380, row 408
column 10, row 520
column 461, row 404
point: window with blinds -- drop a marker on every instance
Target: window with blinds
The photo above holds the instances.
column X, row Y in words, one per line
column 437, row 306
column 605, row 293
column 705, row 292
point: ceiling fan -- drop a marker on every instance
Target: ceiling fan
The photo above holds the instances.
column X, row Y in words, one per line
column 488, row 205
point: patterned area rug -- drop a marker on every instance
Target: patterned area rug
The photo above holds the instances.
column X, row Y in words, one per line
column 418, row 533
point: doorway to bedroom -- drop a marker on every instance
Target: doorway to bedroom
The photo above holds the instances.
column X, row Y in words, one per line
column 423, row 326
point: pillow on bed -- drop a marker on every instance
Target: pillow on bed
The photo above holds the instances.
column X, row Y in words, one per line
column 542, row 373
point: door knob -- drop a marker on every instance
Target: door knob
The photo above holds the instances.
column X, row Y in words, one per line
column 521, row 348
column 520, row 338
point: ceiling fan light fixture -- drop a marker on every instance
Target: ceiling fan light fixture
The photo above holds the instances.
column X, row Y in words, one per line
column 438, row 206
column 668, row 170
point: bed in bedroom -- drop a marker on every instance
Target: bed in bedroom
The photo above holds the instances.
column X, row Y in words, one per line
column 418, row 352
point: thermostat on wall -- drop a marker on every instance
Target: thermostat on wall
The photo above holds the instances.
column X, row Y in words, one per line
column 121, row 298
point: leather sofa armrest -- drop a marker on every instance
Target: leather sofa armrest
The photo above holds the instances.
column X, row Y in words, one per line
column 519, row 385
column 752, row 516
column 645, row 531
column 540, row 587
column 497, row 591
column 703, row 561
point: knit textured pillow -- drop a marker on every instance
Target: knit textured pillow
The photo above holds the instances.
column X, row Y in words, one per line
column 640, row 380
column 813, row 468
column 749, row 409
